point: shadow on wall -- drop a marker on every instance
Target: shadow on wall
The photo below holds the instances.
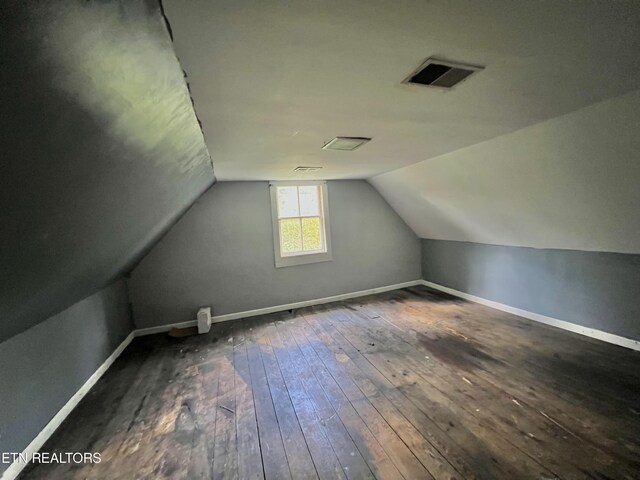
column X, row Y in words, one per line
column 102, row 149
column 468, row 273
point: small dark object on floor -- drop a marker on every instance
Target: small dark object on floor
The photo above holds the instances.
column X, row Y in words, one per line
column 183, row 332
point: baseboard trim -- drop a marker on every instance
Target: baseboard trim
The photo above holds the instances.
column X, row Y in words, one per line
column 141, row 332
column 554, row 322
column 278, row 308
column 36, row 444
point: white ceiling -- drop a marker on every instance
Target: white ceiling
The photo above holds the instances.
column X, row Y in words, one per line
column 272, row 81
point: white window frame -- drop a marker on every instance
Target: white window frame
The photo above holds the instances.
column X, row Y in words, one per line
column 301, row 258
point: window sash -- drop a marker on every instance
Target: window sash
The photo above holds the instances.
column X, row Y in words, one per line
column 302, row 251
column 318, row 189
column 300, row 257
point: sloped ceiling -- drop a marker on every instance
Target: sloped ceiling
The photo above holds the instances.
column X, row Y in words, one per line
column 101, row 149
column 273, row 80
column 572, row 182
column 539, row 149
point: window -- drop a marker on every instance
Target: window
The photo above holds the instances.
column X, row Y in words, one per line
column 300, row 223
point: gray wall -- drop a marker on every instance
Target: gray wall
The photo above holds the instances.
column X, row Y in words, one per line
column 221, row 254
column 101, row 149
column 41, row 368
column 593, row 289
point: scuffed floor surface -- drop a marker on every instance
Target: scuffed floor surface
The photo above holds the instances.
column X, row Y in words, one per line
column 407, row 384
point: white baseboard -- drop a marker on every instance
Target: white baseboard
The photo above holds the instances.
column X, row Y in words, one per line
column 554, row 322
column 278, row 308
column 15, row 468
column 141, row 332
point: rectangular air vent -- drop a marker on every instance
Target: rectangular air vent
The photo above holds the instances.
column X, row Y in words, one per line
column 306, row 169
column 345, row 143
column 440, row 73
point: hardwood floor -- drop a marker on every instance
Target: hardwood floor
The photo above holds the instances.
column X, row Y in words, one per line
column 407, row 384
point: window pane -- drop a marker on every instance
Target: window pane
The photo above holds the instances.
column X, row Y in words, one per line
column 309, row 201
column 312, row 239
column 290, row 236
column 288, row 202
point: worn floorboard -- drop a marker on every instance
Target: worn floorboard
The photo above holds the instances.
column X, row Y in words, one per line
column 409, row 384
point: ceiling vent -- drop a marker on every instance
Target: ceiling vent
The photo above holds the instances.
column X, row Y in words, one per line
column 306, row 169
column 439, row 73
column 345, row 143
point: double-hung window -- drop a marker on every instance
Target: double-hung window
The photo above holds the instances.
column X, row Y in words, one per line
column 300, row 223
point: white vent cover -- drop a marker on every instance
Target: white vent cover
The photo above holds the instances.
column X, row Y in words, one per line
column 440, row 73
column 204, row 320
column 345, row 143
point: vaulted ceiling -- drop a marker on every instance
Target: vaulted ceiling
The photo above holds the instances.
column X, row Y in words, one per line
column 101, row 149
column 274, row 80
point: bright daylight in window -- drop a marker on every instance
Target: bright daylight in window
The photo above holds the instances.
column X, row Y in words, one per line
column 300, row 223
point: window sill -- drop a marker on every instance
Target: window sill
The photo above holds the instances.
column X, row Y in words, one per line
column 302, row 259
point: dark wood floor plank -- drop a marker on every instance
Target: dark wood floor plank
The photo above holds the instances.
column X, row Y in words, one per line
column 205, row 406
column 459, row 444
column 248, row 442
column 512, row 411
column 350, row 458
column 476, row 435
column 368, row 446
column 182, row 447
column 504, row 417
column 421, row 445
column 535, row 406
column 453, row 444
column 324, row 458
column 479, row 319
column 566, row 363
column 225, row 454
column 403, row 458
column 157, row 396
column 295, row 444
column 274, row 458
